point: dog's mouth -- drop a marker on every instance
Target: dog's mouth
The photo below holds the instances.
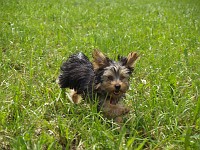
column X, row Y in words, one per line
column 115, row 97
column 116, row 92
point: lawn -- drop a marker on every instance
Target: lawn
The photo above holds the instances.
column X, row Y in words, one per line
column 36, row 37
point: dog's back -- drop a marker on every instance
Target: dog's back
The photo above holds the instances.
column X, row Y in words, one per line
column 77, row 73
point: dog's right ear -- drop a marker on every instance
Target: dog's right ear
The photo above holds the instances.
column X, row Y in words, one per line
column 131, row 58
column 100, row 60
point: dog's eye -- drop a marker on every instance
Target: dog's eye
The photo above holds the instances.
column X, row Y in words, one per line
column 110, row 78
column 122, row 77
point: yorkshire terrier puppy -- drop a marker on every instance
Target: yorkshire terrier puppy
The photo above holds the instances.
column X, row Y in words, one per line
column 104, row 79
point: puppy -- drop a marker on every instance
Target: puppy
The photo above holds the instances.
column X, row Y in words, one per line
column 103, row 79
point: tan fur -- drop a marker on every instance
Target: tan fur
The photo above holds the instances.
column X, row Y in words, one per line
column 76, row 98
column 109, row 85
column 132, row 57
column 100, row 59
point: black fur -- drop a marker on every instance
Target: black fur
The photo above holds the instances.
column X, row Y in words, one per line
column 77, row 73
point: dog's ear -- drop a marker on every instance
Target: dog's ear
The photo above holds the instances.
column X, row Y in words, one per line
column 130, row 60
column 100, row 60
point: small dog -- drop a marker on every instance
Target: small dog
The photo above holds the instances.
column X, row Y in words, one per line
column 104, row 79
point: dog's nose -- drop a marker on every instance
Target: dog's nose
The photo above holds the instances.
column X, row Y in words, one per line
column 117, row 86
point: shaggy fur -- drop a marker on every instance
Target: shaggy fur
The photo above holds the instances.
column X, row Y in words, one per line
column 104, row 79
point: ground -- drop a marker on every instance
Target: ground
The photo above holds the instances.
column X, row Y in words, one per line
column 37, row 36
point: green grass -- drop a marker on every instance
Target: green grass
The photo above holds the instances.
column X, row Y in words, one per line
column 37, row 36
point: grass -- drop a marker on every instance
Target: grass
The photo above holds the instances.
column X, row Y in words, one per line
column 37, row 36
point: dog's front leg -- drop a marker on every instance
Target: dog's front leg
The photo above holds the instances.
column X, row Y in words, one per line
column 112, row 111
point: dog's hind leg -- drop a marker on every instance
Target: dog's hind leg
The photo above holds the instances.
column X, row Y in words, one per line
column 74, row 97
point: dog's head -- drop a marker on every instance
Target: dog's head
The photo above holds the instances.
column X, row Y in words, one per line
column 113, row 77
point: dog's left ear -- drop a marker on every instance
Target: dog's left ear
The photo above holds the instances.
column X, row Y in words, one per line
column 100, row 60
column 130, row 60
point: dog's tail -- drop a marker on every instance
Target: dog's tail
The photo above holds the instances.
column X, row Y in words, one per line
column 77, row 73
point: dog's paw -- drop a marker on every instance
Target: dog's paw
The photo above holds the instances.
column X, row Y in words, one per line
column 126, row 110
column 119, row 120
